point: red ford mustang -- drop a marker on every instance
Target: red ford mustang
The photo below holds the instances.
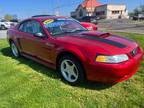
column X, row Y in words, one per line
column 78, row 54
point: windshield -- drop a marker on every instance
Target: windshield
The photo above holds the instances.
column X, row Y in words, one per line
column 60, row 26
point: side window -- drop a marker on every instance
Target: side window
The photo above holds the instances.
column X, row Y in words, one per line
column 22, row 27
column 31, row 27
column 37, row 28
column 26, row 27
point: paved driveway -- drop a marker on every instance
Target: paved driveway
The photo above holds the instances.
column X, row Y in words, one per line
column 121, row 25
column 3, row 34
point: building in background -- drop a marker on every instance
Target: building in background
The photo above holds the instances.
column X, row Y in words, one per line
column 86, row 8
column 106, row 11
column 111, row 11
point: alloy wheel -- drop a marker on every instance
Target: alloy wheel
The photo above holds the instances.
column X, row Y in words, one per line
column 69, row 70
column 14, row 50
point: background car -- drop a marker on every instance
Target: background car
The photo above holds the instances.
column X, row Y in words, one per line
column 5, row 24
column 14, row 21
column 138, row 17
column 89, row 26
column 89, row 19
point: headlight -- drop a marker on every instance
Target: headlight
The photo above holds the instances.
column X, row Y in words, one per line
column 90, row 28
column 112, row 59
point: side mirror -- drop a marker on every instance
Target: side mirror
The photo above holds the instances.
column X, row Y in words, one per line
column 41, row 35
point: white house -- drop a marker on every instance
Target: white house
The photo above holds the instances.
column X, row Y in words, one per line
column 86, row 8
column 106, row 11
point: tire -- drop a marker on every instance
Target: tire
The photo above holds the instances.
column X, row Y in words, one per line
column 3, row 27
column 71, row 70
column 14, row 50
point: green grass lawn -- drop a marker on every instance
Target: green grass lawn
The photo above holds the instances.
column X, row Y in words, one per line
column 27, row 84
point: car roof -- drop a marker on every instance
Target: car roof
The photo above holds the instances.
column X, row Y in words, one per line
column 45, row 17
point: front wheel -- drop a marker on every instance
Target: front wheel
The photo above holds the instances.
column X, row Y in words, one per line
column 71, row 70
column 14, row 49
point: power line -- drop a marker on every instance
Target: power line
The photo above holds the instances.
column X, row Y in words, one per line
column 65, row 5
column 57, row 9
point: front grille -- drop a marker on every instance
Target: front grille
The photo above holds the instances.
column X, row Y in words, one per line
column 134, row 52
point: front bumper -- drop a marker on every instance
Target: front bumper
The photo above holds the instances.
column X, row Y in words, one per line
column 113, row 73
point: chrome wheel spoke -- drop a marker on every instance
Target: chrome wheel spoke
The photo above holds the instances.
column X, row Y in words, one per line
column 69, row 76
column 72, row 69
column 66, row 63
column 74, row 75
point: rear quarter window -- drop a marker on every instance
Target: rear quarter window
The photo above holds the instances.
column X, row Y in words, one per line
column 22, row 27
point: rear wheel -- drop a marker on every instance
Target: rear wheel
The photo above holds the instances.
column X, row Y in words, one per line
column 71, row 70
column 14, row 49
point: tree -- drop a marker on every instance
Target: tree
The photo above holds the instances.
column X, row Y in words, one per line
column 8, row 17
column 136, row 12
column 131, row 14
column 15, row 17
column 142, row 9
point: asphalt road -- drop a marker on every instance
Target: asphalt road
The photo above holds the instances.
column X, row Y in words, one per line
column 122, row 25
column 3, row 34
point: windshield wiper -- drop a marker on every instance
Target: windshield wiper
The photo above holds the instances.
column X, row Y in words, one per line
column 62, row 33
column 79, row 30
column 72, row 31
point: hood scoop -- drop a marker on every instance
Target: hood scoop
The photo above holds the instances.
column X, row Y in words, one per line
column 101, row 37
column 97, row 34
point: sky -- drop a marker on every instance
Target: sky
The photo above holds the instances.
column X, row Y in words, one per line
column 27, row 8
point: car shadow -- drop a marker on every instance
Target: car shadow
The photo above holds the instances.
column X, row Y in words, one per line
column 52, row 73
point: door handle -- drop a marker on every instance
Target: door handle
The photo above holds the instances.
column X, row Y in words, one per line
column 37, row 39
column 50, row 44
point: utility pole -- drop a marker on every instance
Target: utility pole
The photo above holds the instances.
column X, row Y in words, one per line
column 91, row 8
column 57, row 10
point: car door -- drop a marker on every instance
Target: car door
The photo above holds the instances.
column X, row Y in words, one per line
column 26, row 38
column 43, row 47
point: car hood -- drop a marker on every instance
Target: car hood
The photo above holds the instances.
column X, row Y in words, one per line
column 105, row 43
